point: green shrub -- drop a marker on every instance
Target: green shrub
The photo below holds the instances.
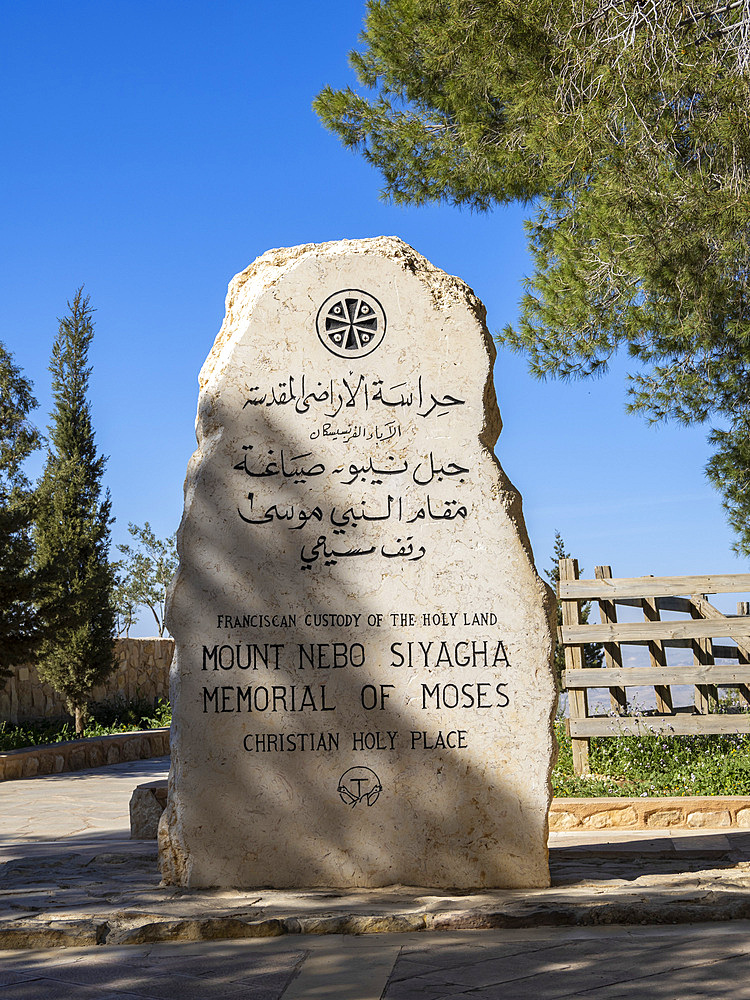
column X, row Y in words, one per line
column 118, row 711
column 652, row 764
column 116, row 716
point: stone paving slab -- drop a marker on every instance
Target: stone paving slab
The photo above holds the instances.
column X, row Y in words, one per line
column 643, row 962
column 58, row 806
column 608, row 963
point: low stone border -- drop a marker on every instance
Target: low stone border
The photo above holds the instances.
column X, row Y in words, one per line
column 76, row 755
column 679, row 812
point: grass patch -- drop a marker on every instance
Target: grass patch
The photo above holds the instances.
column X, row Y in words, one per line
column 652, row 764
column 116, row 716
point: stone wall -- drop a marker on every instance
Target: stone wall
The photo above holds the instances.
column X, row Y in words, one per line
column 142, row 672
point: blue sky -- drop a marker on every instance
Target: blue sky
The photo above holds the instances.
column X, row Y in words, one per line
column 154, row 149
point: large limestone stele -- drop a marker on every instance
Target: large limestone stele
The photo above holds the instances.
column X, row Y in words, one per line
column 362, row 687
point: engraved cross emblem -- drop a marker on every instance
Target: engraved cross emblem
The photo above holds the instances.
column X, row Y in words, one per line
column 351, row 323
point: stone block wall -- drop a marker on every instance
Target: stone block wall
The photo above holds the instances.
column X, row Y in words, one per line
column 142, row 671
column 694, row 812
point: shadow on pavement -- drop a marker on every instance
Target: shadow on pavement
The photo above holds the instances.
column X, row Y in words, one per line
column 643, row 854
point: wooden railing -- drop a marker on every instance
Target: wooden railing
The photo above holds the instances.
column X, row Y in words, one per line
column 652, row 596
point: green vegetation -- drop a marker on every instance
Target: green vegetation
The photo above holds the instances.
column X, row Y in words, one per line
column 109, row 717
column 72, row 529
column 143, row 576
column 625, row 127
column 649, row 764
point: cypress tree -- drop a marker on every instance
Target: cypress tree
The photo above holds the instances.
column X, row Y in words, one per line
column 72, row 528
column 18, row 439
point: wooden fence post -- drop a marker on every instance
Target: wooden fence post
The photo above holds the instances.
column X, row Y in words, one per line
column 702, row 656
column 658, row 657
column 577, row 699
column 743, row 655
column 612, row 651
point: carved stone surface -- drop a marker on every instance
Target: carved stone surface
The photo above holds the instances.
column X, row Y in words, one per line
column 362, row 688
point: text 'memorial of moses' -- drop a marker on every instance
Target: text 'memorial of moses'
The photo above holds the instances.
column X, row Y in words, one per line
column 362, row 689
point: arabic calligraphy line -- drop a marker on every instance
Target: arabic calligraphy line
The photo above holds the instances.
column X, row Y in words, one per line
column 388, row 466
column 298, row 474
column 353, row 431
column 350, row 518
column 330, row 556
column 349, row 393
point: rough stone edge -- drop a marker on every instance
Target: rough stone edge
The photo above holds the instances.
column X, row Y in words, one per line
column 266, row 270
column 688, row 907
column 55, row 934
column 67, row 750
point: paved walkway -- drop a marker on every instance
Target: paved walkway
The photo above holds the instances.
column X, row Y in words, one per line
column 637, row 963
column 71, row 876
column 75, row 808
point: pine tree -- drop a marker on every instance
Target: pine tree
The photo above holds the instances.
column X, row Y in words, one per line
column 625, row 127
column 18, row 439
column 593, row 653
column 72, row 528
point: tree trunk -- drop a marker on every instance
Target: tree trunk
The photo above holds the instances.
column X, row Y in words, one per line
column 81, row 715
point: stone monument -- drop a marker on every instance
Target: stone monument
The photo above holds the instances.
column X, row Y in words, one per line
column 362, row 686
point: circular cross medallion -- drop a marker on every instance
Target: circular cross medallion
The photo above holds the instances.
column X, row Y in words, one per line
column 351, row 323
column 359, row 784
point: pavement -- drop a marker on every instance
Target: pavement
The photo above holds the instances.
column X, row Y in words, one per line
column 629, row 914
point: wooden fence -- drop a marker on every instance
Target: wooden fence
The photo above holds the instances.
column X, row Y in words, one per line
column 685, row 595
